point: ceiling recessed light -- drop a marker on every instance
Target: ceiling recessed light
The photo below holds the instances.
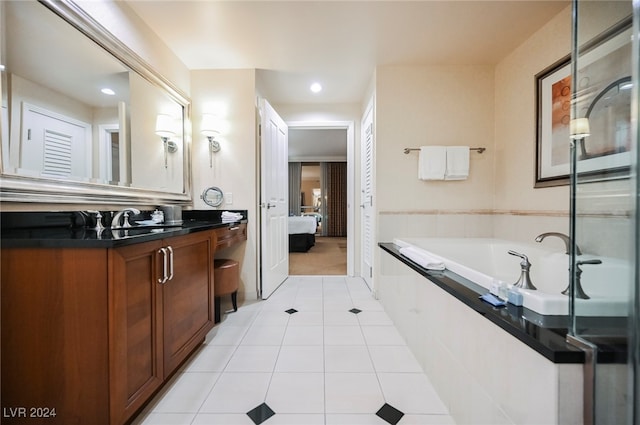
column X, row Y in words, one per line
column 108, row 91
column 316, row 87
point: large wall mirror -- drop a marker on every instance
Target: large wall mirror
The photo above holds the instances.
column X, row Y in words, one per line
column 84, row 119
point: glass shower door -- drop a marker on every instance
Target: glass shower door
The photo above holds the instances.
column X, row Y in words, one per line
column 603, row 199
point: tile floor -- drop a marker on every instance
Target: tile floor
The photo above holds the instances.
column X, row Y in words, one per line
column 320, row 350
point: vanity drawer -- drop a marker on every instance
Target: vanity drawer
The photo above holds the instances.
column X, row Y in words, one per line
column 227, row 236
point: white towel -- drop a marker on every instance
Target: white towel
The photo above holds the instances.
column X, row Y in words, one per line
column 230, row 216
column 457, row 163
column 422, row 258
column 401, row 243
column 432, row 162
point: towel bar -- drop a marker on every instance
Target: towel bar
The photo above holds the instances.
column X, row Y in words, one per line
column 480, row 150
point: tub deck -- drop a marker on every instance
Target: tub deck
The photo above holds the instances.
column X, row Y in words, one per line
column 545, row 334
column 486, row 260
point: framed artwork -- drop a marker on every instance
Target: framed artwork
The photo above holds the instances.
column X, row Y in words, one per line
column 601, row 125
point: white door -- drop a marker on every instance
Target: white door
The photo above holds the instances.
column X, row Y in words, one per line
column 366, row 198
column 54, row 145
column 274, row 200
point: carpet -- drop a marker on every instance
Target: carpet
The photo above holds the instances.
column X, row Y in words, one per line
column 327, row 257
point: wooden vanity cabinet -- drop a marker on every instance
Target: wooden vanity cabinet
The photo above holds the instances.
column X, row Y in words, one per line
column 161, row 294
column 231, row 235
column 187, row 307
column 54, row 336
column 135, row 328
column 94, row 332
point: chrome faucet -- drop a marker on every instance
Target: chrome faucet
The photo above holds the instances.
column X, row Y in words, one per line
column 98, row 227
column 524, row 281
column 115, row 221
column 565, row 239
column 578, row 289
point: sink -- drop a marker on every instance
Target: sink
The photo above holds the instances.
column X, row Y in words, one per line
column 139, row 230
column 151, row 223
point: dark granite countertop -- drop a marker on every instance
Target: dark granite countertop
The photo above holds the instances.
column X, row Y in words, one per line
column 69, row 229
column 545, row 334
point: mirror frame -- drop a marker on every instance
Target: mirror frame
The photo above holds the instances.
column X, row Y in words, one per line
column 14, row 188
column 206, row 199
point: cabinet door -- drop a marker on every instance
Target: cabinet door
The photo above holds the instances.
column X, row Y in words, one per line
column 187, row 297
column 54, row 336
column 135, row 334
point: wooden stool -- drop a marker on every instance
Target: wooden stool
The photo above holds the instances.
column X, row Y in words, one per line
column 226, row 278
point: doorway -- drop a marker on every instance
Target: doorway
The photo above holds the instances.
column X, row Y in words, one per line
column 321, row 187
column 323, row 207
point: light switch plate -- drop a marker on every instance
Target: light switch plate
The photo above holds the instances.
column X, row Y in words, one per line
column 228, row 197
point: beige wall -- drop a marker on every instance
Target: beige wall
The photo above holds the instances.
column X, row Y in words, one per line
column 317, row 112
column 493, row 107
column 433, row 105
column 231, row 94
column 524, row 212
column 515, row 106
column 483, row 105
column 487, row 106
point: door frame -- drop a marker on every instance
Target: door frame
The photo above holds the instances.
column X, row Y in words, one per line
column 349, row 126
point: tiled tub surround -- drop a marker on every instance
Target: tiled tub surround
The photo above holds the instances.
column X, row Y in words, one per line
column 501, row 370
column 514, row 225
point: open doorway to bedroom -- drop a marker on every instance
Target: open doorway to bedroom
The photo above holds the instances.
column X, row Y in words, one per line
column 318, row 202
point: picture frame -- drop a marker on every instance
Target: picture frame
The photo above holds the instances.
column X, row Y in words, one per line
column 603, row 74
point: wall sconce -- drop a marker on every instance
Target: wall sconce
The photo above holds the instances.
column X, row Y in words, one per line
column 165, row 129
column 578, row 130
column 211, row 129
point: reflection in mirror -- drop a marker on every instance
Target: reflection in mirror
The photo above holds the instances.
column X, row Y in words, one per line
column 609, row 118
column 73, row 112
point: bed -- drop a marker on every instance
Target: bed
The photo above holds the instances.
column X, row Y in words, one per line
column 302, row 230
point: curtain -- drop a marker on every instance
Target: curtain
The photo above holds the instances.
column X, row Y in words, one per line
column 324, row 194
column 336, row 199
column 295, row 191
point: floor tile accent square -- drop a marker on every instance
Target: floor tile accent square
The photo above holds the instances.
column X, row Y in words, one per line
column 355, row 310
column 291, row 311
column 260, row 414
column 390, row 414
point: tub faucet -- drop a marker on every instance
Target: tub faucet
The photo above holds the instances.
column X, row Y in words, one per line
column 115, row 222
column 565, row 239
column 524, row 281
column 579, row 291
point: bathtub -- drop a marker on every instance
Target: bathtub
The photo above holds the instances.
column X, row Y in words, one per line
column 485, row 261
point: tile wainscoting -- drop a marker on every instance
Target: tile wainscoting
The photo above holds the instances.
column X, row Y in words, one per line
column 483, row 374
column 516, row 225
